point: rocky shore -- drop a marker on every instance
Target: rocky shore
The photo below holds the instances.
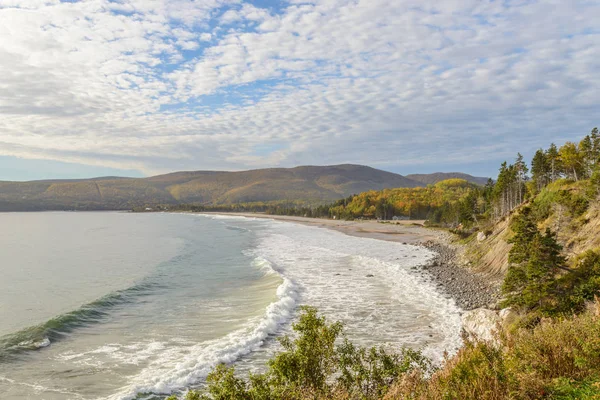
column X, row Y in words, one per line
column 454, row 278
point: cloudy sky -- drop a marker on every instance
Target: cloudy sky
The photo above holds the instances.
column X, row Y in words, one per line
column 140, row 87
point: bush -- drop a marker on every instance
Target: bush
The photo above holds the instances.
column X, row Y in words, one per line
column 572, row 201
column 557, row 359
column 476, row 372
column 558, row 350
column 581, row 285
column 313, row 367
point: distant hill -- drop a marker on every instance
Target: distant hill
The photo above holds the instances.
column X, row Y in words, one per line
column 432, row 179
column 309, row 184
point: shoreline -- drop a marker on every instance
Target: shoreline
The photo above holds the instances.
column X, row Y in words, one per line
column 450, row 274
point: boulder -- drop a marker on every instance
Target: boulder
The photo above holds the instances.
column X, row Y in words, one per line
column 481, row 324
column 508, row 316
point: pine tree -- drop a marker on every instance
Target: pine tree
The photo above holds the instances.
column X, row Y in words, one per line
column 544, row 264
column 540, row 169
column 521, row 171
column 554, row 162
column 534, row 262
column 524, row 228
column 587, row 155
column 595, row 136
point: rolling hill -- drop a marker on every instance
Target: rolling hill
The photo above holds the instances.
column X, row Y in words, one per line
column 308, row 184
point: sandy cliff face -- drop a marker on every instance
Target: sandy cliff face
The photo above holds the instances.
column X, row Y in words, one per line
column 487, row 252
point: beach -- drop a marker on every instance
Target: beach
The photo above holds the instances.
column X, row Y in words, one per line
column 449, row 268
column 405, row 231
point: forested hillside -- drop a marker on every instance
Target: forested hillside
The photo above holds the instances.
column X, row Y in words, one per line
column 221, row 190
column 305, row 185
column 417, row 203
column 432, row 179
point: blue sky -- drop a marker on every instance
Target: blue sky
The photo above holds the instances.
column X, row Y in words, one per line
column 142, row 87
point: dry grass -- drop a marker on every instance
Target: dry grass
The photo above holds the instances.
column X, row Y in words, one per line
column 556, row 360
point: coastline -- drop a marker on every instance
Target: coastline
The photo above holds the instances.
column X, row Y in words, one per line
column 451, row 274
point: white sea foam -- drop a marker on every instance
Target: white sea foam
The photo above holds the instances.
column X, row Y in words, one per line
column 39, row 389
column 133, row 354
column 396, row 304
column 179, row 367
column 32, row 344
column 373, row 286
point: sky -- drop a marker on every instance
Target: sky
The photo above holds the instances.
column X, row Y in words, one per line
column 143, row 87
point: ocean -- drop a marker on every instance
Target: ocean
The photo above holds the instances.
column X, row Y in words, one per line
column 110, row 305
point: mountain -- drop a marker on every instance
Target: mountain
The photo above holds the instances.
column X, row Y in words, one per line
column 432, row 179
column 309, row 184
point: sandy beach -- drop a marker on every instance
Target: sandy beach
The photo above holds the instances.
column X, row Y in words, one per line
column 410, row 232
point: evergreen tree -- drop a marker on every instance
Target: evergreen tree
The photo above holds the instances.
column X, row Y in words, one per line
column 521, row 171
column 586, row 149
column 535, row 261
column 540, row 169
column 525, row 228
column 506, row 195
column 553, row 162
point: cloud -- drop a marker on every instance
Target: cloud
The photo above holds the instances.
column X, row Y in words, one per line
column 164, row 85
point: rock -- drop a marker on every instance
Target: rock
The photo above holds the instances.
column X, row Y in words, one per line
column 481, row 323
column 481, row 236
column 508, row 316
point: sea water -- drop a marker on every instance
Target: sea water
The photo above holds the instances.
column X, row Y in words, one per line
column 114, row 305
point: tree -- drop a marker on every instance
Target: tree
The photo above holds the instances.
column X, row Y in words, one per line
column 571, row 160
column 581, row 285
column 589, row 147
column 586, row 150
column 554, row 162
column 525, row 229
column 531, row 280
column 505, row 194
column 540, row 169
column 521, row 171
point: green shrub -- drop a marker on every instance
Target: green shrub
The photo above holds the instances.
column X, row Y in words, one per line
column 574, row 197
column 313, row 367
column 581, row 285
column 368, row 373
column 568, row 389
